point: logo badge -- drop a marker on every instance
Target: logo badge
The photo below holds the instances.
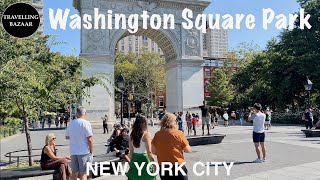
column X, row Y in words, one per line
column 21, row 20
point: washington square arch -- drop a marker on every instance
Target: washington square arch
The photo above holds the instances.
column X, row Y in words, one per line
column 182, row 51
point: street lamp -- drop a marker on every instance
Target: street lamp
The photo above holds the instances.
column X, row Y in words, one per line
column 121, row 86
column 307, row 87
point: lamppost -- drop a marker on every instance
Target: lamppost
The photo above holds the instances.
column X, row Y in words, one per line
column 121, row 86
column 307, row 87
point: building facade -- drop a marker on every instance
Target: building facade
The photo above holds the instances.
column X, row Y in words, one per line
column 133, row 43
column 215, row 43
column 209, row 67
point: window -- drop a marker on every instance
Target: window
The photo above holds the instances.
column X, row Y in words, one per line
column 207, row 73
column 161, row 101
column 130, row 48
column 207, row 86
column 137, row 43
column 122, row 48
column 130, row 42
column 137, row 49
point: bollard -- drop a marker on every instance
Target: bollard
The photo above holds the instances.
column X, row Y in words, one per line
column 10, row 158
column 18, row 162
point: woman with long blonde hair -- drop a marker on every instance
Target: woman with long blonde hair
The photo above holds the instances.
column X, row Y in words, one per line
column 50, row 160
column 169, row 144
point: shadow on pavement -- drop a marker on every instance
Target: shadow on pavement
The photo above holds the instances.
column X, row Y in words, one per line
column 236, row 163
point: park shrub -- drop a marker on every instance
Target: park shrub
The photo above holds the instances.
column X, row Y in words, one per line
column 11, row 121
column 6, row 131
column 287, row 118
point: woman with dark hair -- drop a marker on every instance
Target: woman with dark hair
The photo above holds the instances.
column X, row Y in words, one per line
column 140, row 149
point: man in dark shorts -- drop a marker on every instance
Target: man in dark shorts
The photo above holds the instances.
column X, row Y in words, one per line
column 205, row 116
column 258, row 135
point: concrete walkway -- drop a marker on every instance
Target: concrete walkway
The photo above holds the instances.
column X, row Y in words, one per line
column 290, row 154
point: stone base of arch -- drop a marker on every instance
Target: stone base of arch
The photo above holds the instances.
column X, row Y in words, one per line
column 184, row 86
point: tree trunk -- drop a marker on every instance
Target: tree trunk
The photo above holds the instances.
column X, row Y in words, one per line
column 26, row 127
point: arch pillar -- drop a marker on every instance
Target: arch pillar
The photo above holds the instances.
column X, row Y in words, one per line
column 100, row 102
column 184, row 88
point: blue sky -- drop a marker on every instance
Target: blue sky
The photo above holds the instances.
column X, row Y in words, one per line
column 257, row 36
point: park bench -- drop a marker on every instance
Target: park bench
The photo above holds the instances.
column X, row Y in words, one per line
column 26, row 172
column 110, row 157
column 311, row 132
column 203, row 140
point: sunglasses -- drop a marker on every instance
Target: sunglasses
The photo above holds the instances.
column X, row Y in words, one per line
column 54, row 138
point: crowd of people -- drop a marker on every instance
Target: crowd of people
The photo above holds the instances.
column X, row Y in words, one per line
column 138, row 146
column 59, row 120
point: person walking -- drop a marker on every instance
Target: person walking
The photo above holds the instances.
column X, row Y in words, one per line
column 50, row 161
column 189, row 122
column 57, row 119
column 226, row 118
column 241, row 117
column 43, row 121
column 233, row 117
column 308, row 118
column 258, row 134
column 205, row 116
column 140, row 150
column 49, row 121
column 194, row 123
column 105, row 124
column 180, row 121
column 168, row 145
column 79, row 133
column 61, row 120
column 268, row 119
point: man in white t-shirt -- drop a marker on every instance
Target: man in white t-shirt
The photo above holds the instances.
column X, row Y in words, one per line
column 79, row 132
column 258, row 135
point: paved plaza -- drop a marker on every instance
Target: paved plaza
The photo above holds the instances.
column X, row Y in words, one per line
column 289, row 154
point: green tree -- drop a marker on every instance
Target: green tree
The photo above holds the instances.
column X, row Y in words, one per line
column 221, row 92
column 145, row 72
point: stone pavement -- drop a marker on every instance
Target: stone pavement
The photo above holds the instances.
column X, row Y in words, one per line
column 289, row 154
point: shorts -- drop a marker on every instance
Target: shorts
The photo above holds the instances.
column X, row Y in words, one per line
column 258, row 137
column 79, row 162
column 267, row 122
column 205, row 120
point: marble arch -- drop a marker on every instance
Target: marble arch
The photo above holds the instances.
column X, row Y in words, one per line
column 182, row 50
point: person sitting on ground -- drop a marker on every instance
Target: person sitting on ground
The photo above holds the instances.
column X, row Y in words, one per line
column 50, row 160
column 116, row 131
column 120, row 145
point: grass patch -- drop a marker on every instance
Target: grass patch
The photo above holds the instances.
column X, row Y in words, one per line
column 22, row 164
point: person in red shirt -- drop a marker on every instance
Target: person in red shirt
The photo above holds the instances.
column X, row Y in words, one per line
column 194, row 123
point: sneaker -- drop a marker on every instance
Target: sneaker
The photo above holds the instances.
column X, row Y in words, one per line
column 264, row 160
column 258, row 161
